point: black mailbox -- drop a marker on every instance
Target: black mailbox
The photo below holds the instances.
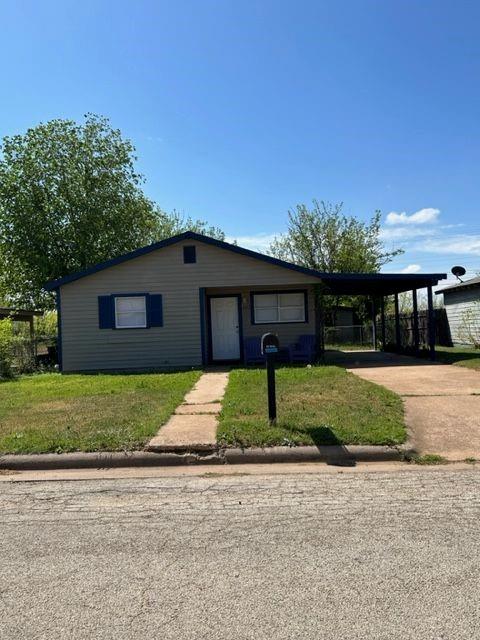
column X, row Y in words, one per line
column 270, row 344
column 270, row 347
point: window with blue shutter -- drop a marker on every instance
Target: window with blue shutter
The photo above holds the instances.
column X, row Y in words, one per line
column 130, row 311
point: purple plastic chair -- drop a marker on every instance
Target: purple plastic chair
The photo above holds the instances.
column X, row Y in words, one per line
column 303, row 350
column 253, row 351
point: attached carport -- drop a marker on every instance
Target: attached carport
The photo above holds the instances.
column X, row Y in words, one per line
column 378, row 286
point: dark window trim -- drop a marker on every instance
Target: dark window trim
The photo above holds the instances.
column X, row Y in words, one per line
column 129, row 295
column 277, row 291
column 240, row 326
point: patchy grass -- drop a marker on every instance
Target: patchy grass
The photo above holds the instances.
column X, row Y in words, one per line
column 317, row 405
column 348, row 346
column 55, row 413
column 462, row 356
column 428, row 459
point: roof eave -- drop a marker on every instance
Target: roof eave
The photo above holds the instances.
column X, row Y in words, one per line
column 427, row 278
column 52, row 285
column 458, row 287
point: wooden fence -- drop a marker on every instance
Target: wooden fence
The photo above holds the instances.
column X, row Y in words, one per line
column 442, row 329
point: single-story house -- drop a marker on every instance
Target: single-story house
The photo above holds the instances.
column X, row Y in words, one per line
column 191, row 300
column 462, row 304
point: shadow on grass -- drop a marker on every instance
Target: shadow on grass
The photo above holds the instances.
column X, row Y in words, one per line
column 360, row 359
column 129, row 372
column 452, row 357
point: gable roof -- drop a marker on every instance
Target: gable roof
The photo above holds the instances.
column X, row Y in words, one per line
column 466, row 284
column 187, row 235
column 339, row 283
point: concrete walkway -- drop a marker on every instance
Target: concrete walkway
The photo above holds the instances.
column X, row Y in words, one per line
column 194, row 424
column 442, row 402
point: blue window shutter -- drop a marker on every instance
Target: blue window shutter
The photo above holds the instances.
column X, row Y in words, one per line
column 106, row 316
column 154, row 310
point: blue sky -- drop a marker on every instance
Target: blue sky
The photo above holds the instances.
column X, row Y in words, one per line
column 240, row 110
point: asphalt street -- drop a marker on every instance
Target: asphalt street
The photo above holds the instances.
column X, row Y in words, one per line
column 338, row 555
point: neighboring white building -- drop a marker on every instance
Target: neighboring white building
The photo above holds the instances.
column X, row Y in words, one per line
column 462, row 304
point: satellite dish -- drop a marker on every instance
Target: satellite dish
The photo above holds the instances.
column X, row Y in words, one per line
column 458, row 271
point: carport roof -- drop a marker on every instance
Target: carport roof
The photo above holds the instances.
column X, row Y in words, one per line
column 378, row 284
column 336, row 283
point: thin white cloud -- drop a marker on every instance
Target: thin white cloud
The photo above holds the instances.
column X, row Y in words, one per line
column 258, row 242
column 411, row 268
column 406, row 233
column 460, row 244
column 154, row 139
column 423, row 216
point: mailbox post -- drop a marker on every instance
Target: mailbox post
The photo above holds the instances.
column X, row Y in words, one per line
column 270, row 347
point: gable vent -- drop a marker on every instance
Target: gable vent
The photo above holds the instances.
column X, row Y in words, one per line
column 189, row 254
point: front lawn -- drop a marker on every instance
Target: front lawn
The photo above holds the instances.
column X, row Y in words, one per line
column 55, row 413
column 463, row 356
column 317, row 405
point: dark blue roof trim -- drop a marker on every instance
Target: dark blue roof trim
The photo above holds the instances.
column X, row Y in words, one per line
column 190, row 235
column 187, row 235
column 383, row 276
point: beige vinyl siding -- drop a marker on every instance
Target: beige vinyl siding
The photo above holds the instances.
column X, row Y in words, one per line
column 457, row 304
column 288, row 333
column 85, row 347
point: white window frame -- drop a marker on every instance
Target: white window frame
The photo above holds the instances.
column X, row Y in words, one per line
column 254, row 295
column 132, row 326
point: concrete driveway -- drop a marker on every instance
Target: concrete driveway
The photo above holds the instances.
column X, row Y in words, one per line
column 442, row 402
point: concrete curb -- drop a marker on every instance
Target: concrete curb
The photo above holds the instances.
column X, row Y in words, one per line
column 79, row 460
column 330, row 454
column 333, row 454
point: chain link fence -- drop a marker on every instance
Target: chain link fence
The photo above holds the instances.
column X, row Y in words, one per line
column 358, row 336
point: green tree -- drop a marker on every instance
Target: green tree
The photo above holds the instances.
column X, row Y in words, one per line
column 170, row 224
column 6, row 348
column 326, row 239
column 70, row 197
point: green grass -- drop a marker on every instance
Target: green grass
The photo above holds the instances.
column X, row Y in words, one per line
column 462, row 356
column 346, row 346
column 430, row 459
column 55, row 413
column 317, row 405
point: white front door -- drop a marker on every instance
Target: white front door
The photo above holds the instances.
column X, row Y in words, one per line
column 225, row 328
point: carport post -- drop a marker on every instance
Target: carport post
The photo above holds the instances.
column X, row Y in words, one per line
column 374, row 324
column 431, row 323
column 33, row 344
column 397, row 324
column 382, row 311
column 416, row 340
